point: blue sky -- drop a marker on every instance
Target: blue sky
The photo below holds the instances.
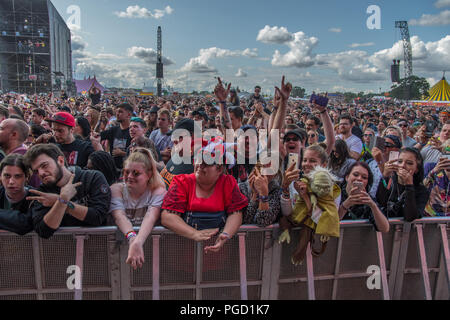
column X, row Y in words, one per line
column 319, row 45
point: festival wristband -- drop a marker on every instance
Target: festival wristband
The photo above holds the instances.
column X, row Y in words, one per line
column 227, row 235
column 130, row 235
column 264, row 198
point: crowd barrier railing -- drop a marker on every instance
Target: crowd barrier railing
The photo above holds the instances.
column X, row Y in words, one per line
column 411, row 261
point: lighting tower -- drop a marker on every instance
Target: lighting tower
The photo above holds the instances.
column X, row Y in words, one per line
column 407, row 49
column 407, row 52
column 159, row 64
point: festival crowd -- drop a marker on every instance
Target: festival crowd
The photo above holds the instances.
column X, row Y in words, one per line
column 99, row 160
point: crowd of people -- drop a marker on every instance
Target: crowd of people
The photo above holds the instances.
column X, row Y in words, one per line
column 95, row 160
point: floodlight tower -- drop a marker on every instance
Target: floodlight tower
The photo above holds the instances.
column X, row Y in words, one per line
column 407, row 51
column 159, row 64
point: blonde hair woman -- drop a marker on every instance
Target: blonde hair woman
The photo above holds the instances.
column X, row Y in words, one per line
column 137, row 201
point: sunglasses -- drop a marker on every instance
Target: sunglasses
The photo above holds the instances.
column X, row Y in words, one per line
column 312, row 135
column 134, row 173
column 292, row 139
column 390, row 145
column 403, row 125
column 368, row 135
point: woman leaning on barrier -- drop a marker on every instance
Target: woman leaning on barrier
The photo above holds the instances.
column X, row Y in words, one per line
column 356, row 202
column 405, row 195
column 137, row 202
column 198, row 205
column 15, row 215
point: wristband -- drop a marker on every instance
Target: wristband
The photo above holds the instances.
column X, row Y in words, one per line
column 321, row 112
column 264, row 198
column 226, row 235
column 69, row 204
column 130, row 235
column 223, row 102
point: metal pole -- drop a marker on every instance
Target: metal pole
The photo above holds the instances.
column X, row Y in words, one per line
column 155, row 272
column 79, row 263
column 384, row 281
column 243, row 266
column 310, row 271
column 446, row 252
column 423, row 262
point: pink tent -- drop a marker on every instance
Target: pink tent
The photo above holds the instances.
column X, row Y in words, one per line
column 83, row 86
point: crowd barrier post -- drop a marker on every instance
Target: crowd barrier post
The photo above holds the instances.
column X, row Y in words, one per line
column 400, row 270
column 394, row 257
column 337, row 264
column 243, row 266
column 78, row 295
column 267, row 264
column 445, row 255
column 37, row 266
column 310, row 272
column 423, row 261
column 125, row 271
column 275, row 270
column 114, row 265
column 381, row 256
column 199, row 269
column 155, row 271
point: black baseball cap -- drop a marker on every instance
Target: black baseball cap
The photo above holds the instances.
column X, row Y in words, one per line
column 154, row 109
column 186, row 123
column 299, row 133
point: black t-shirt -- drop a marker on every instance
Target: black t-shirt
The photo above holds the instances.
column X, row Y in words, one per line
column 95, row 98
column 77, row 152
column 117, row 138
column 171, row 170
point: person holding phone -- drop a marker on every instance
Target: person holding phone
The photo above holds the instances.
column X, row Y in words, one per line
column 404, row 194
column 356, row 202
column 437, row 181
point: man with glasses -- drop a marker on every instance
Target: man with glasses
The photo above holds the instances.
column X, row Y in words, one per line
column 407, row 141
column 354, row 144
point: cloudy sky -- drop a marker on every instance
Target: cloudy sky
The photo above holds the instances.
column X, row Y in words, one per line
column 319, row 45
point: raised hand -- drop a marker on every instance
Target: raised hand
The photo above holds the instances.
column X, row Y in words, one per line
column 220, row 92
column 46, row 199
column 135, row 254
column 285, row 91
column 69, row 190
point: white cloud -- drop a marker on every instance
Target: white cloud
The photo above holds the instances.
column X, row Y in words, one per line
column 241, row 73
column 300, row 54
column 443, row 18
column 442, row 3
column 148, row 55
column 356, row 45
column 143, row 13
column 274, row 35
column 427, row 57
column 200, row 64
column 351, row 65
column 336, row 30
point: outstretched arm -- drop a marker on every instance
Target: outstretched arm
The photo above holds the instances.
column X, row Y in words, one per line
column 221, row 96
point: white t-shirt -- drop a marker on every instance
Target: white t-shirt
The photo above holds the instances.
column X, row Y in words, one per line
column 353, row 143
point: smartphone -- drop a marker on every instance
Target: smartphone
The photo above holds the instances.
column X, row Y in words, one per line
column 293, row 158
column 393, row 155
column 380, row 143
column 359, row 185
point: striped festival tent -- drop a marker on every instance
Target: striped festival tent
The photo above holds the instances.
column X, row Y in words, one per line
column 440, row 91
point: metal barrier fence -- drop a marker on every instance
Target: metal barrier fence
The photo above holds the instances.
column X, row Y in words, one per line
column 412, row 261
